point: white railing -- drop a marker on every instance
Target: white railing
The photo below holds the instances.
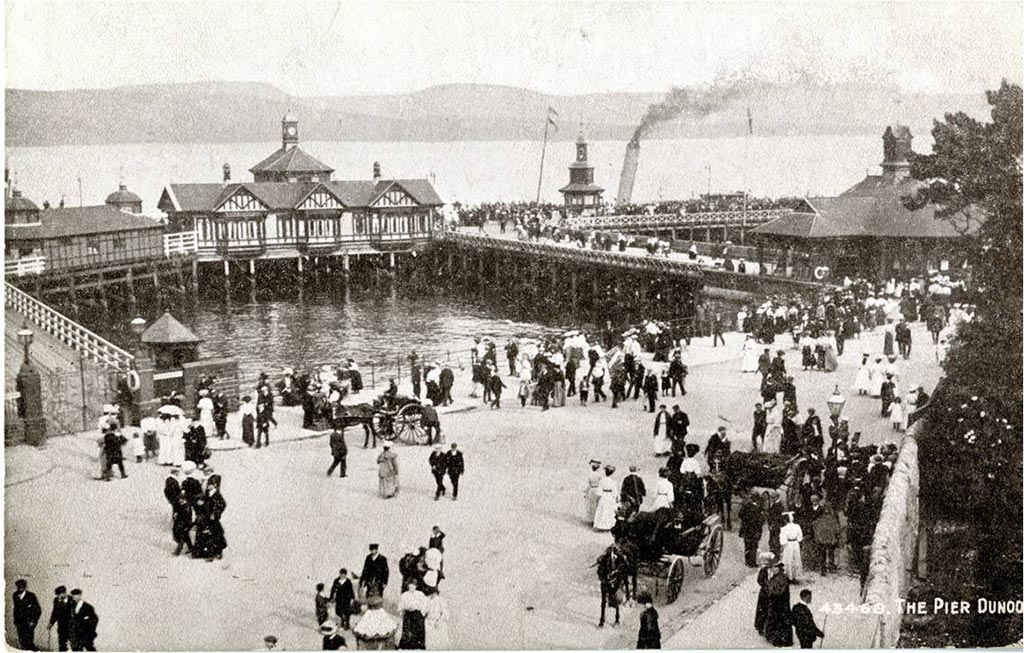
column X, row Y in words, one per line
column 69, row 332
column 182, row 242
column 20, row 267
column 667, row 220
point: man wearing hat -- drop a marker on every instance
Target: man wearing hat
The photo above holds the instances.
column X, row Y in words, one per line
column 60, row 614
column 455, row 466
column 438, row 466
column 26, row 614
column 633, row 492
column 374, row 579
column 333, row 641
column 339, row 452
column 190, row 485
column 83, row 623
column 430, row 422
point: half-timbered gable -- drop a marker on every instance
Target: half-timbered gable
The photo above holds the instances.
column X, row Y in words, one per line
column 241, row 200
column 394, row 197
column 320, row 199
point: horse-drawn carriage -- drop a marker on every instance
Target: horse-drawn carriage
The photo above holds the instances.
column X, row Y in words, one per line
column 396, row 418
column 658, row 545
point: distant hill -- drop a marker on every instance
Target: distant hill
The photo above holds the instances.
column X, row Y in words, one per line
column 208, row 112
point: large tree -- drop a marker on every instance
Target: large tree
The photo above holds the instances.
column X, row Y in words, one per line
column 971, row 452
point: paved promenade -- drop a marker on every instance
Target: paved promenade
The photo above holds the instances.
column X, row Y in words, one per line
column 518, row 557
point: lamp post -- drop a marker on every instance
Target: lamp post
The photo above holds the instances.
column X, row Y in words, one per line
column 835, row 405
column 142, row 370
column 29, row 385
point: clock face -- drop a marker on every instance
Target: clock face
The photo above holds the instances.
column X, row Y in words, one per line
column 291, row 131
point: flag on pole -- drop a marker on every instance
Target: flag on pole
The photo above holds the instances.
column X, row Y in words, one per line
column 750, row 122
column 552, row 114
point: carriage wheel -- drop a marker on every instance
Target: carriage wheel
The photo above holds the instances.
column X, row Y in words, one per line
column 713, row 552
column 676, row 571
column 407, row 425
column 382, row 426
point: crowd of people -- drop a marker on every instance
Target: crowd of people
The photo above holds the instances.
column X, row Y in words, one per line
column 76, row 620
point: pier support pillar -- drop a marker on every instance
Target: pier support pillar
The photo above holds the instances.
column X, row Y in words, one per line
column 707, row 235
column 725, row 233
column 573, row 282
column 391, row 260
column 346, row 265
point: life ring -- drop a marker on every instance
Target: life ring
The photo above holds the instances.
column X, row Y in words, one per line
column 134, row 383
column 821, row 272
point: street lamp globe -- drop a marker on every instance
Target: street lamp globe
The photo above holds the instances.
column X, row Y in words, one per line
column 835, row 404
column 138, row 326
column 25, row 337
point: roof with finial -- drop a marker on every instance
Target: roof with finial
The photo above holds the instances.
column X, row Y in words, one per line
column 122, row 196
column 167, row 330
column 292, row 159
column 16, row 202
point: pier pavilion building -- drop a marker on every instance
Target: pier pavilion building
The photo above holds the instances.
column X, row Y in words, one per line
column 867, row 230
column 293, row 208
column 582, row 195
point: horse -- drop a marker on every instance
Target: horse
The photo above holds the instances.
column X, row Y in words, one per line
column 613, row 572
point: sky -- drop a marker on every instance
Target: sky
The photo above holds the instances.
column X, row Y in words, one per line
column 353, row 48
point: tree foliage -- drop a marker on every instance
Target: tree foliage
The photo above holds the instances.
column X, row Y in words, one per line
column 971, row 454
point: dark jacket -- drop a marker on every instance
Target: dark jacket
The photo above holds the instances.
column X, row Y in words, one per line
column 438, row 462
column 61, row 614
column 334, row 642
column 429, row 416
column 192, row 488
column 83, row 623
column 172, row 488
column 455, row 464
column 751, row 520
column 803, row 622
column 633, row 490
column 112, row 443
column 26, row 609
column 650, row 634
column 760, row 421
column 375, row 571
column 338, row 447
column 446, row 378
column 342, row 593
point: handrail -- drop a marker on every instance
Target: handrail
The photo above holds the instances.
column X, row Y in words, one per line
column 182, row 242
column 656, row 264
column 69, row 332
column 711, row 218
column 25, row 265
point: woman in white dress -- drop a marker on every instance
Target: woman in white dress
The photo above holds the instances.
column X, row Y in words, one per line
column 750, row 355
column 862, row 382
column 664, row 491
column 604, row 517
column 177, row 437
column 205, row 406
column 773, row 435
column 163, row 437
column 877, row 378
column 790, row 537
column 829, row 342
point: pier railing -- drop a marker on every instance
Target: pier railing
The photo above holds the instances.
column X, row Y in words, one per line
column 182, row 243
column 24, row 266
column 94, row 347
column 549, row 250
column 667, row 220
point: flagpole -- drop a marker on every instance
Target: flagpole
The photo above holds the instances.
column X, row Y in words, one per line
column 540, row 179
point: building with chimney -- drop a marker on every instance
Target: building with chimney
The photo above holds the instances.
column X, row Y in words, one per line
column 73, row 238
column 582, row 195
column 293, row 207
column 867, row 230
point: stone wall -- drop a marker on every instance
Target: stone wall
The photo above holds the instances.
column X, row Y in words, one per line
column 226, row 372
column 895, row 545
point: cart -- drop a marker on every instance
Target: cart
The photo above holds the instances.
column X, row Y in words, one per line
column 402, row 421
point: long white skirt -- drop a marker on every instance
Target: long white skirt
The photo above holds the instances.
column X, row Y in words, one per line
column 662, row 500
column 792, row 560
column 164, row 455
column 206, row 420
column 877, row 379
column 436, row 627
column 662, row 444
column 177, row 450
column 604, row 518
column 862, row 382
column 772, row 439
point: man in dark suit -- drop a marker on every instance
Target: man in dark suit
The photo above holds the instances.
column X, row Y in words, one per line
column 339, row 451
column 751, row 526
column 678, row 427
column 760, row 427
column 456, row 467
column 374, row 579
column 775, row 518
column 811, row 433
column 438, row 465
column 343, row 594
column 789, row 392
column 83, row 623
column 26, row 615
column 803, row 621
column 61, row 615
column 651, row 392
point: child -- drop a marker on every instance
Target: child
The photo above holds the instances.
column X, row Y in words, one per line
column 322, row 599
column 896, row 414
column 584, row 390
column 150, row 442
column 138, row 446
column 524, row 391
column 666, row 383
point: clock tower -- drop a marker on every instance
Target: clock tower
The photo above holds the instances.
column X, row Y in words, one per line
column 289, row 131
